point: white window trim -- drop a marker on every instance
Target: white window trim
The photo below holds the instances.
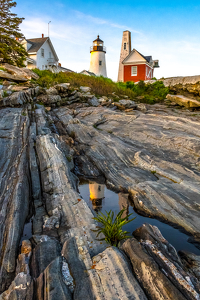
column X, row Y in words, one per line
column 133, row 73
column 42, row 52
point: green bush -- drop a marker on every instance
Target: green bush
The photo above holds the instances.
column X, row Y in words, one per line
column 101, row 86
column 151, row 93
column 112, row 228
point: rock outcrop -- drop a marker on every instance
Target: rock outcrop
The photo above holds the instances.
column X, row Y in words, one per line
column 149, row 153
column 13, row 73
column 188, row 85
column 183, row 101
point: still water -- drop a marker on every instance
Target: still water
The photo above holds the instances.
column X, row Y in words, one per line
column 99, row 198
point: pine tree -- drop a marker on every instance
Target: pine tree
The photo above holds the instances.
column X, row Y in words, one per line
column 11, row 51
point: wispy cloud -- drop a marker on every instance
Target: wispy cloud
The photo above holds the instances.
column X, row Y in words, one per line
column 104, row 21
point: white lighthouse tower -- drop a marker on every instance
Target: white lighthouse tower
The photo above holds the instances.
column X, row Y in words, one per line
column 98, row 58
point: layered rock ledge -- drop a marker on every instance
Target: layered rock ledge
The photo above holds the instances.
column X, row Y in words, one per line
column 151, row 153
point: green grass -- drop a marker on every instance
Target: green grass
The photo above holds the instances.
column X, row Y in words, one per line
column 5, row 94
column 153, row 172
column 101, row 86
column 40, row 103
column 96, row 127
column 112, row 227
column 69, row 158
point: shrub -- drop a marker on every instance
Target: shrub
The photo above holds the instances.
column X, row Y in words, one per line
column 101, row 86
column 151, row 93
column 112, row 228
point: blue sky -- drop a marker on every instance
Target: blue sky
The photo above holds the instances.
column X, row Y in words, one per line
column 167, row 30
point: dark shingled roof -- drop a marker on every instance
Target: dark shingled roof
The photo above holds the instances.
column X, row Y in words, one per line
column 148, row 58
column 36, row 44
column 98, row 39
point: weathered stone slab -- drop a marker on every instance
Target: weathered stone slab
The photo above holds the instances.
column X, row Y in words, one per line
column 18, row 98
column 19, row 74
column 166, row 257
column 8, row 76
column 50, row 284
column 183, row 101
column 93, row 101
column 153, row 281
column 191, row 262
column 105, row 276
column 22, row 286
column 14, row 188
column 58, row 186
column 43, row 254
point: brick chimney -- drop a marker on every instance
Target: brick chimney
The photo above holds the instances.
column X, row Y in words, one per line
column 42, row 35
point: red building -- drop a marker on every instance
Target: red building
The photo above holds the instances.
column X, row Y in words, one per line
column 134, row 66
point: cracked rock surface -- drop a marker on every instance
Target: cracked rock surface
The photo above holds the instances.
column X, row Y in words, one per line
column 151, row 154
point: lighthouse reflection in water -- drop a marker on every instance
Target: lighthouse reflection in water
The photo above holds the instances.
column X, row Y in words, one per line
column 97, row 191
column 97, row 195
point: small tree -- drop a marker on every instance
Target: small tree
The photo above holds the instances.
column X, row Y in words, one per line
column 11, row 51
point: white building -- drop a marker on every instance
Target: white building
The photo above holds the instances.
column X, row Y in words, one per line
column 42, row 54
column 98, row 58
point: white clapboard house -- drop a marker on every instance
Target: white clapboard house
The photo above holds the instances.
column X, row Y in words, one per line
column 42, row 54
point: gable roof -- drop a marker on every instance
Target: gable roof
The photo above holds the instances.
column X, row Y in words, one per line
column 36, row 44
column 85, row 72
column 146, row 58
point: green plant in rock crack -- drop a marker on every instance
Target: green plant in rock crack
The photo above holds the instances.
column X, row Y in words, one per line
column 5, row 94
column 112, row 227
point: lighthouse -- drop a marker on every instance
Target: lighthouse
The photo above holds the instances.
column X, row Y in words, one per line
column 98, row 58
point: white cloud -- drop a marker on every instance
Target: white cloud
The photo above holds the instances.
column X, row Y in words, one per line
column 103, row 22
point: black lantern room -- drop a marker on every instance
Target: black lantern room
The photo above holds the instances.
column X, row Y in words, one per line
column 98, row 45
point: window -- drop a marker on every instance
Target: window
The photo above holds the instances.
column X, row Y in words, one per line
column 124, row 46
column 42, row 67
column 134, row 71
column 49, row 54
column 42, row 52
column 100, row 62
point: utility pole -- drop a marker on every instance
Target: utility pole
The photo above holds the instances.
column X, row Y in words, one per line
column 48, row 27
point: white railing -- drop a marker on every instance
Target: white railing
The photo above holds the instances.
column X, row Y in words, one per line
column 51, row 61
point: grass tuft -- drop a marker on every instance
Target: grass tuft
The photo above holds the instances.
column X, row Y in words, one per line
column 112, row 227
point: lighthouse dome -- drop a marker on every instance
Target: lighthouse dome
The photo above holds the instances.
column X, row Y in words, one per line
column 98, row 45
column 98, row 40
